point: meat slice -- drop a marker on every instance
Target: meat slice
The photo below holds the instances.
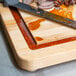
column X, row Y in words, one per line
column 66, row 2
column 40, row 1
column 71, row 2
column 27, row 1
column 43, row 4
column 46, row 5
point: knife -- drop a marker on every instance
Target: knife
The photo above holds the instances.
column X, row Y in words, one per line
column 40, row 12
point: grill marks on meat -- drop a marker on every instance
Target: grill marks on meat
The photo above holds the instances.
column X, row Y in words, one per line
column 58, row 2
column 66, row 2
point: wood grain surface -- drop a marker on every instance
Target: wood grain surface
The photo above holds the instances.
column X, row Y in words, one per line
column 46, row 31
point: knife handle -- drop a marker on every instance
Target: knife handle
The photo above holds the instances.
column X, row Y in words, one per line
column 9, row 2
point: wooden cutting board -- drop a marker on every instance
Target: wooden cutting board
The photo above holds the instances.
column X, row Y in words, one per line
column 36, row 42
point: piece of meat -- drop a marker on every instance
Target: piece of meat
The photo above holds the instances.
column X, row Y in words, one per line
column 46, row 5
column 57, row 3
column 71, row 2
column 27, row 1
column 40, row 1
column 66, row 2
column 43, row 4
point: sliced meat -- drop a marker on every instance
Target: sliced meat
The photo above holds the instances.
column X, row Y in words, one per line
column 46, row 5
column 71, row 2
column 40, row 1
column 27, row 1
column 66, row 2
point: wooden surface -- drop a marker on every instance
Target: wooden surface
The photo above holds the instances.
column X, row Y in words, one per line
column 48, row 31
column 35, row 59
column 8, row 66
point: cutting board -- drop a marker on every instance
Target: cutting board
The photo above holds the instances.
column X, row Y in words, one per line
column 37, row 42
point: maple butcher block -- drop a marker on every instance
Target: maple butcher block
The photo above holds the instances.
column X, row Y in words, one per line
column 37, row 42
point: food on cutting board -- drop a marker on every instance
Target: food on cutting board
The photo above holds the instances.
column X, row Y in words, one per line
column 65, row 8
column 67, row 12
column 46, row 4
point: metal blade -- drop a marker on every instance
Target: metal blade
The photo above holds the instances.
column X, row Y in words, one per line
column 47, row 15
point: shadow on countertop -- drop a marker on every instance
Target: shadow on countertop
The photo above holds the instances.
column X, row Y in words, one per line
column 10, row 53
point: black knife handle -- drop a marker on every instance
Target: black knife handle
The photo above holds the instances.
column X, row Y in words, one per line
column 9, row 2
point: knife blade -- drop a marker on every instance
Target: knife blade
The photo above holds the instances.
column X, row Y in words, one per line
column 41, row 13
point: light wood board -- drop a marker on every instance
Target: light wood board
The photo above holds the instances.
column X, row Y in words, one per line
column 32, row 60
column 48, row 30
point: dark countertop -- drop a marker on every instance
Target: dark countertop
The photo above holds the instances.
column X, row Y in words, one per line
column 8, row 66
